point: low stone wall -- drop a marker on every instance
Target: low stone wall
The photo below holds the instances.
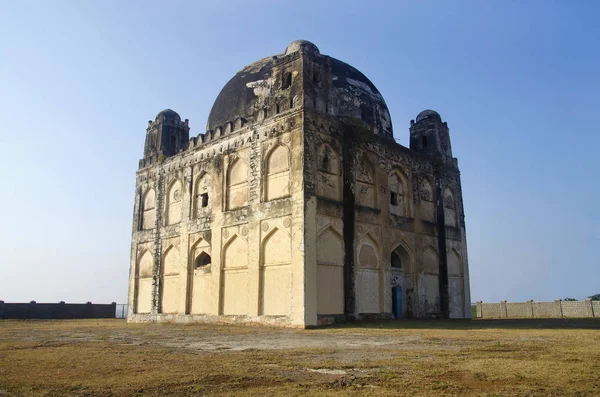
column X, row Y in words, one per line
column 60, row 310
column 531, row 309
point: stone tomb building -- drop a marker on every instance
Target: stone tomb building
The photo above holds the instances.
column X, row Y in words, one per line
column 297, row 207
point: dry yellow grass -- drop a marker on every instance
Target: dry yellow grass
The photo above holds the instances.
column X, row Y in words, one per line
column 484, row 358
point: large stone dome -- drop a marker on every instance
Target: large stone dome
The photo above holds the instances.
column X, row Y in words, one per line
column 327, row 84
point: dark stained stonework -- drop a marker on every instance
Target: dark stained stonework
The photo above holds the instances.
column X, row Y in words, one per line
column 330, row 85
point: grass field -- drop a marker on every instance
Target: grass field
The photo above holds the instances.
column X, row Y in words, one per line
column 479, row 357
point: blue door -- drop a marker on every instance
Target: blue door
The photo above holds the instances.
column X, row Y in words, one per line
column 397, row 301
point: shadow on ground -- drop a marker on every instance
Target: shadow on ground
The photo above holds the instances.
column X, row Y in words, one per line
column 549, row 323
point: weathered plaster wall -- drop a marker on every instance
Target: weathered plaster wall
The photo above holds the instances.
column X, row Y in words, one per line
column 227, row 242
column 393, row 207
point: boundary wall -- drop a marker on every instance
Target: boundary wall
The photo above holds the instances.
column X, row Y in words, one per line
column 530, row 309
column 62, row 310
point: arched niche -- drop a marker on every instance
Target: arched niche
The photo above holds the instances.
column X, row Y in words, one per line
column 426, row 191
column 174, row 198
column 330, row 272
column 429, row 281
column 366, row 192
column 172, row 288
column 235, row 253
column 234, row 278
column 426, row 206
column 145, row 265
column 329, row 173
column 431, row 262
column 455, row 284
column 275, row 274
column 148, row 209
column 399, row 193
column 368, row 255
column 236, row 184
column 171, row 261
column 450, row 208
column 144, row 283
column 454, row 264
column 277, row 173
column 368, row 277
column 202, row 194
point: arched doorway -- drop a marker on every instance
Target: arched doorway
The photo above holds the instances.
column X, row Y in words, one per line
column 400, row 261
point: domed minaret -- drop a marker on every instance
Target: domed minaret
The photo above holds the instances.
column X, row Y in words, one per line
column 167, row 135
column 430, row 136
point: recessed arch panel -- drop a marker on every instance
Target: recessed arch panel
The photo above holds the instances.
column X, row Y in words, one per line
column 275, row 274
column 236, row 184
column 277, row 173
column 368, row 277
column 399, row 194
column 174, row 199
column 148, row 209
column 172, row 286
column 450, row 208
column 330, row 272
column 234, row 279
column 328, row 175
column 144, row 283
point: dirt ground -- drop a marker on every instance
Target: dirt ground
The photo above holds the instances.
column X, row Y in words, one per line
column 479, row 357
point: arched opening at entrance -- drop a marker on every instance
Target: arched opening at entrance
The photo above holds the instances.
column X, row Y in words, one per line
column 400, row 261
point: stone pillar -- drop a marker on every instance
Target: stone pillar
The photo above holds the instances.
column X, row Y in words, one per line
column 1, row 310
column 589, row 308
column 479, row 305
column 558, row 308
column 114, row 309
column 503, row 309
column 530, row 308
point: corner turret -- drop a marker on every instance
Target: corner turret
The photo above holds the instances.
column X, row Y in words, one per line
column 166, row 136
column 430, row 136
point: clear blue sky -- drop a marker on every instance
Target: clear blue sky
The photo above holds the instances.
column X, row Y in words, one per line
column 517, row 81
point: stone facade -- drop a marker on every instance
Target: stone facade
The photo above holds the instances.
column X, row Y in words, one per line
column 297, row 207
